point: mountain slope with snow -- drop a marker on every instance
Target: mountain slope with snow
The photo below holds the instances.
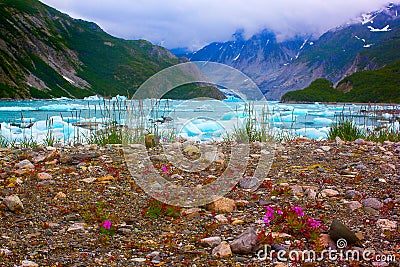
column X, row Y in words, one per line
column 279, row 67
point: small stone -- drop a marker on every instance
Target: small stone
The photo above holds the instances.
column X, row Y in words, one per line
column 44, row 176
column 13, row 203
column 361, row 167
column 325, row 148
column 353, row 205
column 386, row 224
column 246, row 242
column 5, row 252
column 329, row 193
column 310, row 193
column 65, row 158
column 191, row 150
column 297, row 190
column 339, row 142
column 372, row 203
column 371, row 211
column 360, row 142
column 223, row 250
column 351, row 194
column 236, row 222
column 27, row 263
column 320, row 169
column 221, row 218
column 248, row 182
column 139, row 260
column 211, row 241
column 222, row 205
column 191, row 213
column 25, row 164
column 60, row 195
column 76, row 227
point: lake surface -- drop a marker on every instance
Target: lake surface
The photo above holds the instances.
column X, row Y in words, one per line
column 193, row 119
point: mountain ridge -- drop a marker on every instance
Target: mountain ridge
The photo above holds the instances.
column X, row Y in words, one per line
column 336, row 54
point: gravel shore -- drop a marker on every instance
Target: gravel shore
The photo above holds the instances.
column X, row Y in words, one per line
column 80, row 206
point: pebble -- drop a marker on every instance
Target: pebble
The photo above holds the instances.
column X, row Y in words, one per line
column 211, row 241
column 329, row 193
column 372, row 203
column 76, row 227
column 25, row 164
column 27, row 263
column 310, row 193
column 297, row 190
column 353, row 205
column 44, row 176
column 13, row 203
column 246, row 242
column 248, row 182
column 339, row 141
column 351, row 194
column 223, row 250
column 222, row 205
column 221, row 218
column 325, row 148
column 191, row 213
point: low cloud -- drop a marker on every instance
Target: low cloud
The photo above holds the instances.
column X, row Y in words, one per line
column 195, row 23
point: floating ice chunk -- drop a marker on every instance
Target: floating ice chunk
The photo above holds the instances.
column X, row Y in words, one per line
column 300, row 112
column 232, row 99
column 119, row 98
column 233, row 115
column 16, row 108
column 93, row 98
column 62, row 107
column 313, row 133
column 323, row 121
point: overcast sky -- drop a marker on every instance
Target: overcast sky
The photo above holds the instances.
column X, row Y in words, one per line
column 195, row 23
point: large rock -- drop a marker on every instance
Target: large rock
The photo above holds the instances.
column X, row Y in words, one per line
column 13, row 203
column 340, row 231
column 222, row 205
column 223, row 250
column 246, row 242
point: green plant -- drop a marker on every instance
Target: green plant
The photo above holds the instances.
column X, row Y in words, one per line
column 346, row 130
column 156, row 209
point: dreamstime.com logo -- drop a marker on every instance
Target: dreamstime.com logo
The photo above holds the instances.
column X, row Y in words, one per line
column 208, row 73
column 334, row 255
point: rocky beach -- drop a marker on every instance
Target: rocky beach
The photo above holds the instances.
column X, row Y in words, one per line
column 80, row 206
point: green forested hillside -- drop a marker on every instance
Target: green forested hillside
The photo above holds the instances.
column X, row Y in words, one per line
column 45, row 53
column 376, row 86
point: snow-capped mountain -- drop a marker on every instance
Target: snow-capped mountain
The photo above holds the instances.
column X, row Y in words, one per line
column 278, row 67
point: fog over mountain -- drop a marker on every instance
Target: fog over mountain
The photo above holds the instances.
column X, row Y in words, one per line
column 193, row 24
